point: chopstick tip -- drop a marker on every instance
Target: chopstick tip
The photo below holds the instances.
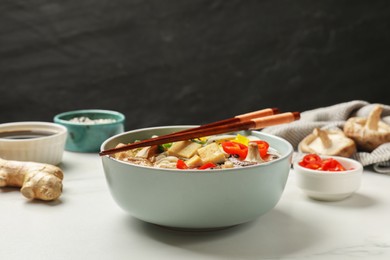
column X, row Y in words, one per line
column 275, row 110
column 297, row 115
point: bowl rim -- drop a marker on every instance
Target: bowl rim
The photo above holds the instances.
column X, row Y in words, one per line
column 58, row 130
column 288, row 153
column 58, row 118
column 358, row 167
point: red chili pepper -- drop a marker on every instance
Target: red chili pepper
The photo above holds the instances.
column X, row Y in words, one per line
column 235, row 148
column 332, row 165
column 310, row 158
column 207, row 166
column 181, row 165
column 263, row 147
column 314, row 166
column 314, row 162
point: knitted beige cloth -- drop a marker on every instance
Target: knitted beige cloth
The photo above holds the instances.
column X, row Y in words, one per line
column 335, row 116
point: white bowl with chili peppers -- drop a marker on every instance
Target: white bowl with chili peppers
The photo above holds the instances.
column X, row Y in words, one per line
column 327, row 178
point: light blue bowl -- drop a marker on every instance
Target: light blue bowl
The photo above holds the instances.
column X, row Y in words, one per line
column 88, row 137
column 191, row 199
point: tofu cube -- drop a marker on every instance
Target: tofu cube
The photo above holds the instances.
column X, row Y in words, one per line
column 184, row 149
column 194, row 161
column 175, row 148
column 211, row 153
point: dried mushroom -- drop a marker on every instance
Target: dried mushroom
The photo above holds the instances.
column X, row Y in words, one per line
column 328, row 142
column 147, row 152
column 370, row 132
column 253, row 153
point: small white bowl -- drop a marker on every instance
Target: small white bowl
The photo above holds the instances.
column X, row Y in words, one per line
column 328, row 185
column 42, row 142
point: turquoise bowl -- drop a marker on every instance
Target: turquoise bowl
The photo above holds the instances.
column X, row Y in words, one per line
column 191, row 199
column 88, row 136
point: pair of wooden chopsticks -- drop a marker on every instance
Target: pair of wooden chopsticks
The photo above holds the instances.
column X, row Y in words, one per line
column 249, row 121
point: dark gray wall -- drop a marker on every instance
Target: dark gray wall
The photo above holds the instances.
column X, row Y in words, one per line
column 189, row 62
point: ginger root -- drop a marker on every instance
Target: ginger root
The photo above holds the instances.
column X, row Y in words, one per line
column 37, row 180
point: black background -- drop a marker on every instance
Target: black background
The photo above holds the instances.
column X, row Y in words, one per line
column 189, row 62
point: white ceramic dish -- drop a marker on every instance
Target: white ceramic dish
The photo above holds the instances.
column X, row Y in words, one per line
column 190, row 199
column 327, row 185
column 32, row 141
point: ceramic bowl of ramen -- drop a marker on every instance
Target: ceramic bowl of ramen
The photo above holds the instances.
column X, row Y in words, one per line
column 88, row 128
column 190, row 198
column 32, row 141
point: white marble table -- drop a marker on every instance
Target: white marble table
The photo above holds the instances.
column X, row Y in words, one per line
column 87, row 224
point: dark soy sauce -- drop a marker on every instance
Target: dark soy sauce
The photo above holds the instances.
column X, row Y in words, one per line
column 24, row 134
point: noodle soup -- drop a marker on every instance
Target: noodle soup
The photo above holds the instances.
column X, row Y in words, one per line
column 205, row 153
